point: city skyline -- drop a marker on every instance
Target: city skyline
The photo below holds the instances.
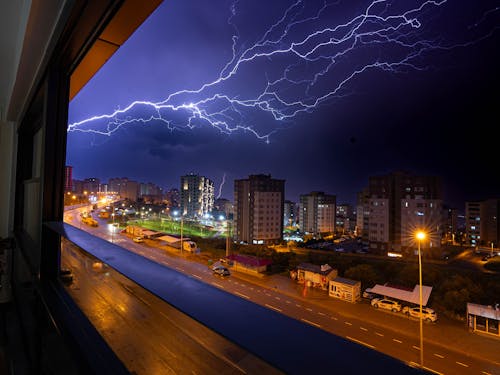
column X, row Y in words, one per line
column 429, row 117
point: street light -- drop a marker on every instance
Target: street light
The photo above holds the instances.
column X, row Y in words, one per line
column 228, row 238
column 182, row 221
column 420, row 236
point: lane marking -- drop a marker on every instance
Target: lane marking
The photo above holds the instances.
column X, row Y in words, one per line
column 360, row 342
column 168, row 350
column 311, row 323
column 198, row 277
column 251, row 288
column 461, row 364
column 334, row 318
column 242, row 295
column 179, row 268
column 309, row 309
column 267, row 294
column 274, row 308
column 298, row 305
column 348, row 323
column 279, row 299
column 431, row 370
column 364, row 329
column 288, row 301
column 320, row 313
column 415, row 347
column 379, row 334
column 216, row 284
column 439, row 355
column 485, row 373
column 398, row 341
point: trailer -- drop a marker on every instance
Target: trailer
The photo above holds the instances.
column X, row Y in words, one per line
column 345, row 289
column 175, row 241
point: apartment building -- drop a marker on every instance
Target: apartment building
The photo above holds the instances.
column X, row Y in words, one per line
column 481, row 223
column 196, row 195
column 317, row 213
column 394, row 206
column 124, row 187
column 258, row 209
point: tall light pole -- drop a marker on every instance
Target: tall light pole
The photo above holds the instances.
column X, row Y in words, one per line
column 228, row 237
column 182, row 221
column 420, row 236
column 113, row 226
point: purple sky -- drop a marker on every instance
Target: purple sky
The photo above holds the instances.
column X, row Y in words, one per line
column 433, row 112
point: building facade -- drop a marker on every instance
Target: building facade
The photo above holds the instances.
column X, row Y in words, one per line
column 258, row 209
column 290, row 214
column 196, row 196
column 317, row 213
column 125, row 188
column 481, row 223
column 394, row 206
column 345, row 219
column 92, row 185
column 68, row 178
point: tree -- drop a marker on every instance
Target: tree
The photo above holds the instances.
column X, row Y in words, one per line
column 365, row 273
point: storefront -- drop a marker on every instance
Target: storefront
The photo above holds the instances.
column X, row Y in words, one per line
column 485, row 319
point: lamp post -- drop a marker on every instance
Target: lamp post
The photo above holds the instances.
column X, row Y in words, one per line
column 228, row 238
column 182, row 221
column 420, row 236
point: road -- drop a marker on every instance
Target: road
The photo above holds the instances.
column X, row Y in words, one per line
column 148, row 335
column 387, row 332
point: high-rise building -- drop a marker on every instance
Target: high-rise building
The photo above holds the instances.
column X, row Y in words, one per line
column 68, row 178
column 345, row 220
column 197, row 195
column 482, row 224
column 258, row 209
column 290, row 214
column 172, row 198
column 125, row 188
column 396, row 205
column 450, row 224
column 362, row 214
column 92, row 185
column 317, row 213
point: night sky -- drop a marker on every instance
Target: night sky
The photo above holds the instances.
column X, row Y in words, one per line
column 343, row 115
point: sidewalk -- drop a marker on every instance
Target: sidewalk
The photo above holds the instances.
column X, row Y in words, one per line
column 446, row 333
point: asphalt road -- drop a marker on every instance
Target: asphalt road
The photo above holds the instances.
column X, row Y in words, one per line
column 148, row 335
column 383, row 331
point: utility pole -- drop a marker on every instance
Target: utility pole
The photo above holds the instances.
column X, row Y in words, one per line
column 182, row 221
column 228, row 238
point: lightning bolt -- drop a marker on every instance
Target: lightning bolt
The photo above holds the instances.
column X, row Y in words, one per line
column 301, row 62
column 221, row 186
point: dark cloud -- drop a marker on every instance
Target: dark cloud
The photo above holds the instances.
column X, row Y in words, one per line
column 437, row 120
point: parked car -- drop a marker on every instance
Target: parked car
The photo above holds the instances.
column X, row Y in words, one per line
column 369, row 295
column 138, row 239
column 386, row 304
column 221, row 271
column 428, row 314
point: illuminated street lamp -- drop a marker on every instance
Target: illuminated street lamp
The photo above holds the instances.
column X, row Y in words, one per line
column 420, row 235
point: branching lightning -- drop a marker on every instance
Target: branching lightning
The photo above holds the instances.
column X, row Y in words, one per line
column 302, row 61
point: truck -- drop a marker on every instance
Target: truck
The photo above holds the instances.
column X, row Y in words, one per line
column 175, row 241
column 90, row 221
